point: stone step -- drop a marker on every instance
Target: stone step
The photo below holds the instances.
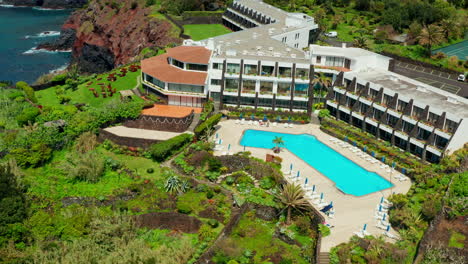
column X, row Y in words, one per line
column 324, row 258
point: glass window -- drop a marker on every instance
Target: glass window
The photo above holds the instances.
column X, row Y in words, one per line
column 334, row 61
column 417, row 112
column 244, row 100
column 185, row 88
column 373, row 93
column 229, row 99
column 265, row 102
column 268, row 70
column 301, row 89
column 197, row 67
column 232, row 85
column 266, row 87
column 215, row 82
column 300, row 104
column 284, row 71
column 450, row 126
column 387, row 99
column 250, row 69
column 302, row 73
column 248, row 86
column 283, row 103
column 217, row 66
column 155, row 81
column 319, row 59
column 233, row 68
column 284, row 89
column 401, row 105
column 433, row 117
column 177, row 63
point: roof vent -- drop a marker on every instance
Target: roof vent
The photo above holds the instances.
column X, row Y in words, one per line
column 270, row 48
column 245, row 52
column 452, row 100
column 288, row 49
column 259, row 53
column 259, row 47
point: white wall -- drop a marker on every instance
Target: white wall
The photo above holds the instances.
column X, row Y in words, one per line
column 459, row 138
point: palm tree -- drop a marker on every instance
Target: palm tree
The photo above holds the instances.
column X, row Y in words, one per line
column 360, row 42
column 430, row 35
column 322, row 81
column 449, row 27
column 292, row 197
column 278, row 141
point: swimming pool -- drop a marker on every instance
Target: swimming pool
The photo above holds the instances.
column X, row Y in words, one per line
column 349, row 177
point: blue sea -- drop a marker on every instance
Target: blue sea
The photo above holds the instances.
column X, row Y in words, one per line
column 22, row 29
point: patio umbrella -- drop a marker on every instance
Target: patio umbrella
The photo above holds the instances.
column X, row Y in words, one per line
column 354, row 143
column 220, row 141
column 382, row 199
column 290, row 166
column 365, row 149
column 278, row 118
column 265, row 118
column 244, row 148
column 383, row 159
column 346, row 139
column 306, row 181
column 252, row 117
column 289, row 119
column 217, row 135
column 388, row 228
column 373, row 154
column 298, row 173
column 321, row 196
column 229, row 147
column 384, row 216
column 313, row 188
column 393, row 164
column 331, row 203
column 241, row 115
column 364, row 228
column 380, row 208
column 403, row 171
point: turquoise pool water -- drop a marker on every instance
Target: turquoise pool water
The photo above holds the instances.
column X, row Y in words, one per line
column 349, row 177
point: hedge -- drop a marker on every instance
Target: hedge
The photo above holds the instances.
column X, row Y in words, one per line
column 201, row 129
column 162, row 150
column 188, row 14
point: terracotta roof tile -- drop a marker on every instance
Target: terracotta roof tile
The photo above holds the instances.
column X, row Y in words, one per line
column 193, row 54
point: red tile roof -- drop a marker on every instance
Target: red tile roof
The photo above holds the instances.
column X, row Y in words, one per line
column 170, row 110
column 159, row 68
column 191, row 54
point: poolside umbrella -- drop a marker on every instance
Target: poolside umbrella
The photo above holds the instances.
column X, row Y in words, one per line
column 364, row 228
column 220, row 141
column 252, row 117
column 331, row 203
column 373, row 154
column 217, row 135
column 384, row 216
column 278, row 118
column 388, row 228
column 265, row 118
column 393, row 164
column 241, row 115
column 403, row 171
column 383, row 159
column 380, row 208
column 346, row 139
column 382, row 199
column 229, row 147
column 290, row 166
column 244, row 148
column 298, row 173
column 321, row 196
column 365, row 148
column 313, row 188
column 306, row 181
column 354, row 143
column 289, row 119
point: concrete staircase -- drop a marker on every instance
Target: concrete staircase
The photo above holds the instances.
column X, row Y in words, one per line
column 324, row 258
column 196, row 119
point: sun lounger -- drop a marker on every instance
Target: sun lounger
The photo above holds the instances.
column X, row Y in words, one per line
column 285, row 125
column 359, row 234
column 373, row 161
column 318, row 201
column 242, row 122
column 218, row 147
column 315, row 196
column 290, row 125
column 250, row 122
column 381, row 226
column 274, row 124
column 255, row 123
column 237, row 121
column 390, row 235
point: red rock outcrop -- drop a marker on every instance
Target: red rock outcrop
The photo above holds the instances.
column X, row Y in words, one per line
column 118, row 27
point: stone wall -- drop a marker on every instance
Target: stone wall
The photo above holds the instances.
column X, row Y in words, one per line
column 126, row 141
column 161, row 123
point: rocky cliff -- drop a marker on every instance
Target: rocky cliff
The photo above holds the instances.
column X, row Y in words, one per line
column 53, row 4
column 114, row 33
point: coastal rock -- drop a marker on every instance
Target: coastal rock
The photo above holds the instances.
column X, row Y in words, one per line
column 53, row 4
column 95, row 59
column 121, row 29
column 64, row 42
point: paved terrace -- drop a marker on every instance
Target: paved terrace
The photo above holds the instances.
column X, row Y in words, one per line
column 123, row 131
column 351, row 212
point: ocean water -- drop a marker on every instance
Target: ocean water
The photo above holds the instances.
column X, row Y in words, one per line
column 22, row 29
column 349, row 177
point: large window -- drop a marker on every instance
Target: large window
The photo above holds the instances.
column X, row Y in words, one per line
column 285, row 71
column 217, row 66
column 248, row 86
column 215, row 82
column 387, row 100
column 265, row 102
column 301, row 89
column 247, row 100
column 267, row 70
column 401, row 106
column 197, row 67
column 334, row 61
column 450, row 126
column 433, row 117
column 250, row 69
column 300, row 104
column 185, row 88
column 232, row 85
column 266, row 87
column 283, row 103
column 302, row 73
column 284, row 89
column 155, row 81
column 233, row 68
column 177, row 63
column 418, row 112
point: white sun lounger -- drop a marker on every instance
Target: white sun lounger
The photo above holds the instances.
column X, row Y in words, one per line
column 285, row 125
column 318, row 201
column 274, row 124
column 381, row 226
column 256, row 123
column 242, row 122
column 218, row 147
column 290, row 125
column 237, row 121
column 373, row 161
column 250, row 122
column 390, row 235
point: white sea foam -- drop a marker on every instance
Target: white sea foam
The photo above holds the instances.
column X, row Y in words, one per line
column 61, row 68
column 48, row 9
column 34, row 50
column 8, row 6
column 45, row 34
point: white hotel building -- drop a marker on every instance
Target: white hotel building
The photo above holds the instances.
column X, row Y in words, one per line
column 270, row 62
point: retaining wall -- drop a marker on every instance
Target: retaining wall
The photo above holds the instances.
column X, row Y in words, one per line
column 161, row 123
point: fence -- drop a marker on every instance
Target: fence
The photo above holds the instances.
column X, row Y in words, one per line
column 161, row 123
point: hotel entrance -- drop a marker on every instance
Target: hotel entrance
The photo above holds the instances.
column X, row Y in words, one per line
column 185, row 101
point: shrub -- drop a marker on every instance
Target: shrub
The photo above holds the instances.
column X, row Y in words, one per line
column 86, row 142
column 134, row 5
column 324, row 230
column 59, row 78
column 150, row 170
column 161, row 151
column 230, row 180
column 85, row 167
column 150, row 2
column 214, row 164
column 303, row 225
column 204, row 128
column 184, row 208
column 324, row 113
column 213, row 223
column 36, row 155
column 27, row 116
column 28, row 91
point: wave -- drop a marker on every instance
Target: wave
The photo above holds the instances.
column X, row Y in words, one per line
column 44, row 34
column 48, row 9
column 34, row 50
column 59, row 69
column 7, row 6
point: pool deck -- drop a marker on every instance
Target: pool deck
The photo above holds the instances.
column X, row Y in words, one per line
column 351, row 212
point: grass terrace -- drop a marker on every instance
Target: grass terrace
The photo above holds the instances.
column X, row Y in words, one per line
column 204, row 31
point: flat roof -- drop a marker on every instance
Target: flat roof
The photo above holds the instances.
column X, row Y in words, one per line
column 190, row 54
column 422, row 93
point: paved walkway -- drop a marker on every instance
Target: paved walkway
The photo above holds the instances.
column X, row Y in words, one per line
column 141, row 133
column 351, row 212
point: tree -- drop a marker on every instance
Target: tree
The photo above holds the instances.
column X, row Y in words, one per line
column 360, row 42
column 278, row 141
column 449, row 27
column 323, row 81
column 84, row 167
column 292, row 197
column 430, row 35
column 28, row 91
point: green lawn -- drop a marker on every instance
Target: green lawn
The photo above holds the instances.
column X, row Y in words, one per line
column 204, row 31
column 84, row 95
